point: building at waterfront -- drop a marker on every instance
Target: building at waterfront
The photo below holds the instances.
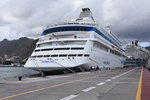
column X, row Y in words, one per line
column 1, row 60
column 17, row 59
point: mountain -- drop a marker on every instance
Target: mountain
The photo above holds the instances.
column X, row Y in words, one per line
column 22, row 47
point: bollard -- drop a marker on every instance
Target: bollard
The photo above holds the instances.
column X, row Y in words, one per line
column 20, row 78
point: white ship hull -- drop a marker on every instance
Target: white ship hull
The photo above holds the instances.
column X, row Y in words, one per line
column 100, row 59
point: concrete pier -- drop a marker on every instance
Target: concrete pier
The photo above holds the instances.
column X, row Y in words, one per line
column 118, row 84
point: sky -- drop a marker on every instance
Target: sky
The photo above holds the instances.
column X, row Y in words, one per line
column 128, row 19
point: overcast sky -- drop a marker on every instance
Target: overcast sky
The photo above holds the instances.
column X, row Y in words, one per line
column 129, row 19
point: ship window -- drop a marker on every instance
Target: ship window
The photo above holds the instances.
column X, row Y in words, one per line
column 72, row 55
column 54, row 55
column 75, row 42
column 53, row 30
column 37, row 50
column 110, row 51
column 86, row 55
column 34, row 56
column 113, row 51
column 56, row 30
column 75, row 36
column 82, row 29
column 39, row 56
column 38, row 44
column 80, row 54
column 77, row 29
column 66, row 29
column 61, row 48
column 59, row 29
column 46, row 55
column 72, row 29
column 77, row 48
column 100, row 46
column 47, row 49
column 63, row 55
column 63, row 29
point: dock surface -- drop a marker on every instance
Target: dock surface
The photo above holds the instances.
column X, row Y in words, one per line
column 118, row 84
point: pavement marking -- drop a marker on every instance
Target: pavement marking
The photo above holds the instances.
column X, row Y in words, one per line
column 69, row 97
column 53, row 86
column 113, row 77
column 40, row 89
column 138, row 94
column 117, row 76
column 88, row 89
column 102, row 83
column 124, row 73
column 108, row 80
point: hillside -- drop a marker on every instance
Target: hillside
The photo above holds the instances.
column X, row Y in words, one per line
column 22, row 47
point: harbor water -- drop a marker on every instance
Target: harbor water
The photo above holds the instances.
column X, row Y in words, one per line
column 14, row 72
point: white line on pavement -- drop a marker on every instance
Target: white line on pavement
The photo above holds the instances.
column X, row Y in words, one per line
column 113, row 77
column 88, row 89
column 69, row 97
column 125, row 73
column 108, row 80
column 92, row 87
column 101, row 83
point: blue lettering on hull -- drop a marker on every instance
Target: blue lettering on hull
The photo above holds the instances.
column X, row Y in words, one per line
column 47, row 61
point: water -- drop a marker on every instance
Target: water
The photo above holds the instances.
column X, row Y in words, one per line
column 13, row 72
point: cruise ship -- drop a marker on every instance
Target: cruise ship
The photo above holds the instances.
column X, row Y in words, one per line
column 136, row 51
column 79, row 44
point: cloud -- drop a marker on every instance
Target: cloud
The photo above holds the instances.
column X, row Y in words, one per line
column 129, row 19
column 133, row 21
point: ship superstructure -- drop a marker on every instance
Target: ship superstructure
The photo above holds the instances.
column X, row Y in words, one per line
column 136, row 51
column 78, row 44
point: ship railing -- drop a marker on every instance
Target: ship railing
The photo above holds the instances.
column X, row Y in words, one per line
column 61, row 40
column 74, row 23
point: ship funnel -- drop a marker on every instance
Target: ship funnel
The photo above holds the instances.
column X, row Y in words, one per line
column 86, row 13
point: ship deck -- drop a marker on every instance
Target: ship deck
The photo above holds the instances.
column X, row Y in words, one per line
column 118, row 84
